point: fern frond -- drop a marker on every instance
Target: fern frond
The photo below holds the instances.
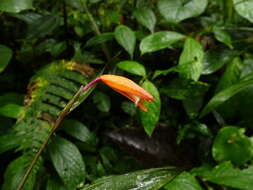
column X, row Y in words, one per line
column 48, row 92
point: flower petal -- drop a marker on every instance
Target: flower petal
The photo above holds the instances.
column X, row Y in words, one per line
column 125, row 85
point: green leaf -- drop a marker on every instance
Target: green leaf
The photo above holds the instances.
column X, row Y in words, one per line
column 132, row 67
column 67, row 161
column 224, row 95
column 5, row 56
column 126, row 38
column 102, row 101
column 15, row 6
column 176, row 11
column 55, row 184
column 159, row 40
column 149, row 119
column 191, row 60
column 151, row 179
column 14, row 173
column 100, row 39
column 226, row 174
column 180, row 89
column 231, row 75
column 215, row 60
column 8, row 142
column 78, row 130
column 146, row 17
column 184, row 181
column 223, row 36
column 10, row 110
column 42, row 26
column 244, row 8
column 232, row 145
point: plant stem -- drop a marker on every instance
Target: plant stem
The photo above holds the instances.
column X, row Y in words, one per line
column 96, row 29
column 57, row 123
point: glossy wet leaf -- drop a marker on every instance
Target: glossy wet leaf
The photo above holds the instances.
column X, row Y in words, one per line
column 5, row 57
column 79, row 131
column 67, row 161
column 10, row 110
column 231, row 144
column 159, row 40
column 224, row 95
column 100, row 39
column 244, row 8
column 226, row 174
column 132, row 67
column 102, row 101
column 146, row 17
column 151, row 179
column 216, row 59
column 191, row 60
column 126, row 38
column 176, row 11
column 15, row 6
column 149, row 119
column 182, row 182
column 223, row 36
column 231, row 75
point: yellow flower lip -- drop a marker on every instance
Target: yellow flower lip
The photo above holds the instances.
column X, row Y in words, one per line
column 128, row 88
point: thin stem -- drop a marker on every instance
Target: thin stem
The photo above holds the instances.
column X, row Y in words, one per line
column 57, row 123
column 96, row 29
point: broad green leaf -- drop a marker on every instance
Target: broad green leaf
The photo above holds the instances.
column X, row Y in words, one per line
column 232, row 145
column 191, row 60
column 132, row 67
column 146, row 17
column 215, row 60
column 100, row 39
column 42, row 26
column 176, row 11
column 14, row 173
column 223, row 36
column 126, row 38
column 224, row 95
column 8, row 142
column 15, row 6
column 191, row 130
column 244, row 8
column 102, row 101
column 78, row 130
column 149, row 119
column 159, row 40
column 57, row 48
column 5, row 56
column 150, row 179
column 184, row 181
column 55, row 184
column 231, row 75
column 10, row 110
column 184, row 89
column 226, row 174
column 67, row 161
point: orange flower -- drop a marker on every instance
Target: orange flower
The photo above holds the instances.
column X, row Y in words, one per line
column 128, row 88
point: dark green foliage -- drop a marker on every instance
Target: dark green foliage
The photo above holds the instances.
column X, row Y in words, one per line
column 193, row 56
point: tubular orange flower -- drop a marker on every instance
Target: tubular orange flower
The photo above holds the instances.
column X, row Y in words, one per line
column 129, row 89
column 126, row 87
